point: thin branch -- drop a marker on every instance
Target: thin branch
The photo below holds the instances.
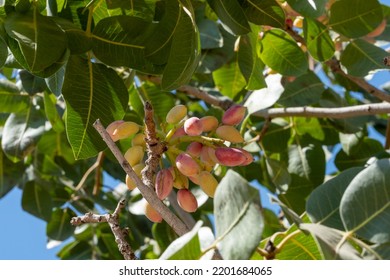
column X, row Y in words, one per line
column 113, row 221
column 334, row 65
column 334, row 113
column 98, row 174
column 177, row 225
column 94, row 166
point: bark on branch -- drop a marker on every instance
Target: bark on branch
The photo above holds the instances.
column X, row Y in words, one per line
column 334, row 113
column 113, row 221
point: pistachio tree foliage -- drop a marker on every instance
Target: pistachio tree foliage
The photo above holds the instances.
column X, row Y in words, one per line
column 299, row 72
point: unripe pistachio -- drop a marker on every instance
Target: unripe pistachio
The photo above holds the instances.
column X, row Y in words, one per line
column 131, row 185
column 187, row 165
column 111, row 128
column 181, row 181
column 125, row 130
column 194, row 179
column 229, row 133
column 137, row 169
column 152, row 214
column 164, row 183
column 187, row 200
column 230, row 156
column 208, row 183
column 139, row 140
column 179, row 132
column 193, row 126
column 209, row 123
column 206, row 159
column 194, row 149
column 212, row 156
column 134, row 155
column 234, row 115
column 176, row 114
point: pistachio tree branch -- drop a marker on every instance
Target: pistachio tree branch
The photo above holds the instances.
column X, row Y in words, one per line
column 334, row 113
column 148, row 193
column 334, row 65
column 113, row 221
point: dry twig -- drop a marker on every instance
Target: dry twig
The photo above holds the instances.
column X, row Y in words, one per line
column 113, row 221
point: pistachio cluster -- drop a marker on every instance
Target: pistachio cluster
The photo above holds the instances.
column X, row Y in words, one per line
column 195, row 146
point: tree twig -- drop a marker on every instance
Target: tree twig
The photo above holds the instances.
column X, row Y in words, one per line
column 334, row 113
column 94, row 166
column 113, row 221
column 387, row 143
column 177, row 225
column 334, row 65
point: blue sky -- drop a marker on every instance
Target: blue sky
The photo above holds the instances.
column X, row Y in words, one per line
column 23, row 237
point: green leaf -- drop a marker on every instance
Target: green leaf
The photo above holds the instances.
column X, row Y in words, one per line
column 162, row 101
column 30, row 83
column 210, row 36
column 367, row 149
column 304, row 90
column 21, row 133
column 59, row 227
column 186, row 247
column 277, row 136
column 164, row 235
column 78, row 41
column 108, row 245
column 361, row 57
column 119, row 41
column 184, row 53
column 229, row 79
column 310, row 126
column 264, row 12
column 272, row 223
column 265, row 97
column 91, row 91
column 238, row 218
column 56, row 81
column 281, row 53
column 250, row 64
column 307, row 160
column 383, row 250
column 231, row 15
column 365, row 16
column 351, row 142
column 36, row 201
column 296, row 244
column 365, row 205
column 10, row 174
column 311, row 8
column 41, row 41
column 52, row 113
column 212, row 59
column 12, row 100
column 158, row 43
column 331, row 242
column 318, row 41
column 279, row 174
column 323, row 204
column 3, row 52
column 77, row 250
